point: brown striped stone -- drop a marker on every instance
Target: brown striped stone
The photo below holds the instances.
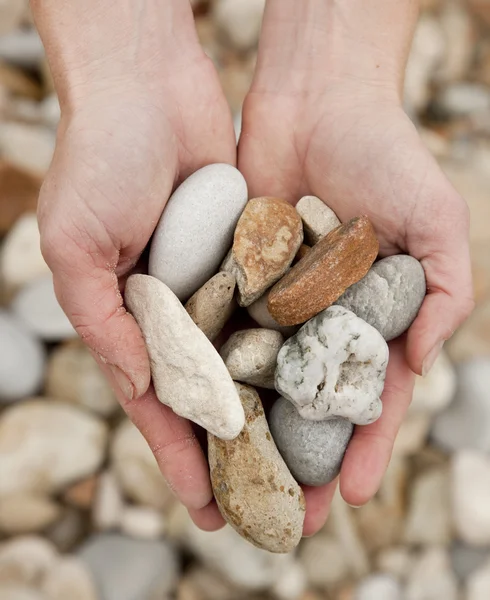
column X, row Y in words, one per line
column 302, row 252
column 336, row 262
column 267, row 238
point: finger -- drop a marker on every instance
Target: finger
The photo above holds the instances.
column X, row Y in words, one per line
column 369, row 450
column 86, row 284
column 176, row 449
column 208, row 518
column 446, row 260
column 318, row 501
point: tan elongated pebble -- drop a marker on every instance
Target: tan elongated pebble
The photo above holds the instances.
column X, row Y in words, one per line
column 213, row 304
column 187, row 371
column 250, row 356
column 337, row 261
column 318, row 219
column 255, row 492
column 267, row 238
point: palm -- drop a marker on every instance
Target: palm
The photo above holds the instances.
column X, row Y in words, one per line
column 118, row 157
column 363, row 157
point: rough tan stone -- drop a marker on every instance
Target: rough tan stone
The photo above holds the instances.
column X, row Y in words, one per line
column 255, row 491
column 213, row 304
column 267, row 238
column 339, row 260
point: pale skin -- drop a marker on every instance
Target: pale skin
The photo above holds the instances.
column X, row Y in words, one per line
column 142, row 109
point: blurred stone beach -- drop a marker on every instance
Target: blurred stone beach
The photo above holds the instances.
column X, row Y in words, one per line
column 84, row 511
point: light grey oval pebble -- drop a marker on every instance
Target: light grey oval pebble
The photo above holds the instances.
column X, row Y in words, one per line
column 313, row 450
column 22, row 359
column 389, row 296
column 196, row 228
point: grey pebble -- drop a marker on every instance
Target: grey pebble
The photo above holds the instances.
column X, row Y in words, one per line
column 313, row 450
column 389, row 296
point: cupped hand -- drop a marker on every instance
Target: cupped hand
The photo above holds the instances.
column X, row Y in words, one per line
column 121, row 150
column 351, row 144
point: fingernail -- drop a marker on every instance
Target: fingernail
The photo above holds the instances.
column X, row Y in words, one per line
column 431, row 358
column 123, row 382
column 352, row 505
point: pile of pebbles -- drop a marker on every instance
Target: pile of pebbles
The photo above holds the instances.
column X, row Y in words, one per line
column 319, row 339
column 84, row 511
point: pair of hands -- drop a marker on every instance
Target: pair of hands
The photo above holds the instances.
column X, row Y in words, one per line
column 122, row 149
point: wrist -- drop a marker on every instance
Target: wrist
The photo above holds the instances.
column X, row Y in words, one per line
column 95, row 47
column 308, row 46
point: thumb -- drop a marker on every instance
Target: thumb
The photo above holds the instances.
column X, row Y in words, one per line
column 84, row 261
column 445, row 257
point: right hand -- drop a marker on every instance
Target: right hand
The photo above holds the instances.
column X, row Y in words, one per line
column 122, row 148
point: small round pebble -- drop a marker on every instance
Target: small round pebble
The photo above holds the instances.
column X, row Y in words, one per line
column 22, row 359
column 313, row 450
column 389, row 296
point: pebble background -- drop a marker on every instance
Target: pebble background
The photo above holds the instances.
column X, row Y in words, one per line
column 84, row 513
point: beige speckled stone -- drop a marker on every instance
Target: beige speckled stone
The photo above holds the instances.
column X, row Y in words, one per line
column 250, row 356
column 213, row 304
column 318, row 219
column 254, row 489
column 187, row 371
column 267, row 238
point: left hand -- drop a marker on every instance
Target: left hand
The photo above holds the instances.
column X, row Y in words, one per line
column 351, row 144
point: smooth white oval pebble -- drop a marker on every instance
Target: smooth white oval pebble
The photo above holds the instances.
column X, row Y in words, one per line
column 196, row 229
column 22, row 359
column 38, row 309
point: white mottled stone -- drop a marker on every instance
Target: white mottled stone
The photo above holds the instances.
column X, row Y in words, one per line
column 37, row 307
column 196, row 228
column 239, row 21
column 466, row 422
column 142, row 522
column 471, row 497
column 432, row 577
column 136, row 468
column 396, row 561
column 334, row 366
column 22, row 359
column 379, row 587
column 463, row 99
column 108, row 506
column 261, row 315
column 69, row 579
column 45, row 446
column 21, row 260
column 318, row 219
column 26, row 513
column 187, row 371
column 434, row 392
column 250, row 355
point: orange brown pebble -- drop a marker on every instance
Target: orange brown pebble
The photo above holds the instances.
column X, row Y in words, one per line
column 267, row 238
column 336, row 262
